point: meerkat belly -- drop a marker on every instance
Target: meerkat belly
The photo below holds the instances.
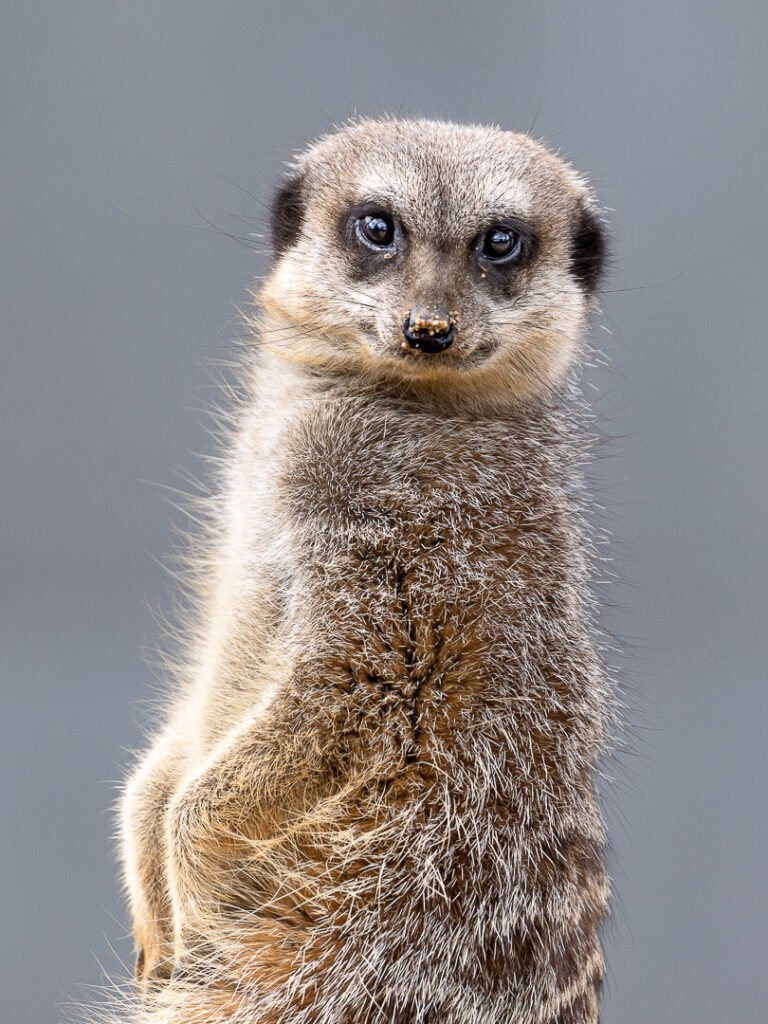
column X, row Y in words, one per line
column 429, row 776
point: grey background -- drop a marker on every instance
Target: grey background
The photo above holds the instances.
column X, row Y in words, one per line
column 118, row 119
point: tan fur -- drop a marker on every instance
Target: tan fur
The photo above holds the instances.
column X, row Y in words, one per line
column 373, row 797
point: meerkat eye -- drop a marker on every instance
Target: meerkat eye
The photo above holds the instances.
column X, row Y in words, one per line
column 502, row 245
column 376, row 230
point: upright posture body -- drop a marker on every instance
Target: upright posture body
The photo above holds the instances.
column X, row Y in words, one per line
column 373, row 799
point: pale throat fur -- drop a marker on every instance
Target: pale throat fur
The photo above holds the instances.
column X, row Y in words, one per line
column 374, row 798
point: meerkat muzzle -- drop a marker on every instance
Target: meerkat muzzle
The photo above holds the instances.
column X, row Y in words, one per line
column 431, row 329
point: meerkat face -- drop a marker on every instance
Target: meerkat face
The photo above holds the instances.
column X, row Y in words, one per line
column 430, row 250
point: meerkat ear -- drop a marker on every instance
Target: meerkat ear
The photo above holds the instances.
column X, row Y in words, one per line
column 588, row 249
column 286, row 214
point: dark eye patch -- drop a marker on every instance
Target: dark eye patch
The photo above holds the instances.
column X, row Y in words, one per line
column 502, row 245
column 507, row 243
column 372, row 236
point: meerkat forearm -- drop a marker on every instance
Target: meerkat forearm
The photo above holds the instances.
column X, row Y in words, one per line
column 143, row 812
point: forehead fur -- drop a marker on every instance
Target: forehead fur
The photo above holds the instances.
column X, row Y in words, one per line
column 432, row 172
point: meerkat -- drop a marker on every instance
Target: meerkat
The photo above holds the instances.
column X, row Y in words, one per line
column 374, row 795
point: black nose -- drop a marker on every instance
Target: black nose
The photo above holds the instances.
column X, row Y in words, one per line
column 429, row 331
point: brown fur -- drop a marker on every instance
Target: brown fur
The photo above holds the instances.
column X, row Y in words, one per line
column 373, row 799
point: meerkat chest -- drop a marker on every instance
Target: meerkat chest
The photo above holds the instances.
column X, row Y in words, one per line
column 415, row 557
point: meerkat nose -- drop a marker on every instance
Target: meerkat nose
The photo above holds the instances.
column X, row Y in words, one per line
column 429, row 329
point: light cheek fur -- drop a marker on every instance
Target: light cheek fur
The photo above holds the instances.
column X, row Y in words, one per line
column 538, row 336
column 373, row 800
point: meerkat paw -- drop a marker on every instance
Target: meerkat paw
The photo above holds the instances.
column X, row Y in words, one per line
column 154, row 961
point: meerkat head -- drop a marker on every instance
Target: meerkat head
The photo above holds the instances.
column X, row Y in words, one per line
column 433, row 251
